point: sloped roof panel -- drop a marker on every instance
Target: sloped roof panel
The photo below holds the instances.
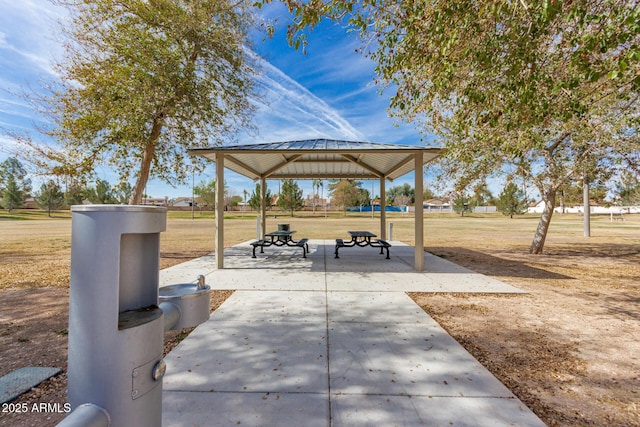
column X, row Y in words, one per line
column 319, row 158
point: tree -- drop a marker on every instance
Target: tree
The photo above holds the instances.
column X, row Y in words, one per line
column 206, row 192
column 345, row 193
column 511, row 200
column 122, row 193
column 364, row 197
column 50, row 197
column 461, row 204
column 628, row 189
column 12, row 195
column 537, row 87
column 400, row 195
column 144, row 80
column 316, row 184
column 572, row 193
column 290, row 196
column 74, row 195
column 481, row 195
column 428, row 194
column 12, row 169
column 254, row 200
column 101, row 193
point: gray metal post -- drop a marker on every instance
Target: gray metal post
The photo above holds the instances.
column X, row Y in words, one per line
column 587, row 207
column 258, row 232
column 390, row 236
column 115, row 325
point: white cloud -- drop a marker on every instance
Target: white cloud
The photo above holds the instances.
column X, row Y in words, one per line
column 29, row 35
column 287, row 110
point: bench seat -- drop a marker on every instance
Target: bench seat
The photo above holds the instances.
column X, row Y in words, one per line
column 378, row 243
column 305, row 247
column 302, row 243
column 383, row 244
column 262, row 243
column 339, row 244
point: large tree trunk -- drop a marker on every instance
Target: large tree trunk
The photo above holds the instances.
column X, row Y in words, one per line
column 549, row 198
column 145, row 164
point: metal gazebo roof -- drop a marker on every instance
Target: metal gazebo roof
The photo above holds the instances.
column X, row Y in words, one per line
column 319, row 159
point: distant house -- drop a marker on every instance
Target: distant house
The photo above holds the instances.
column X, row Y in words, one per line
column 182, row 202
column 155, row 201
column 538, row 207
column 311, row 201
column 30, row 203
column 438, row 205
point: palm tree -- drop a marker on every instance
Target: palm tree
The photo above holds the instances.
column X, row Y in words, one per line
column 317, row 183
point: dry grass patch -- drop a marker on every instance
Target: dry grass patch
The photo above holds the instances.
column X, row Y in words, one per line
column 569, row 348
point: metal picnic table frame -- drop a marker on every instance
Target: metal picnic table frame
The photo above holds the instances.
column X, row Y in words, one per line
column 362, row 238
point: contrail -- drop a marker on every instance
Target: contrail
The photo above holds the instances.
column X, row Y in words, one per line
column 287, row 110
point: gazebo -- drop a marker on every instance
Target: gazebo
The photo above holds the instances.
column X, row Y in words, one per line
column 320, row 159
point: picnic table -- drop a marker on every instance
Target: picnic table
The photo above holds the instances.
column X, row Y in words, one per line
column 280, row 238
column 362, row 238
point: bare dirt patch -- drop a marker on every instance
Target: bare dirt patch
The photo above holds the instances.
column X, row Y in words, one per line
column 570, row 348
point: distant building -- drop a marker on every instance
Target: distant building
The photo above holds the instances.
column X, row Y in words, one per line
column 155, row 201
column 436, row 205
column 182, row 202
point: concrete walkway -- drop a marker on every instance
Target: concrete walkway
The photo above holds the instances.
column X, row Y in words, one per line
column 330, row 342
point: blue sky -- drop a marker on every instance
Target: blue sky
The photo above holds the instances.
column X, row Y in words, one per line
column 325, row 93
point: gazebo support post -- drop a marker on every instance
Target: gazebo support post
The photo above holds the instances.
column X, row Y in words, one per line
column 383, row 209
column 219, row 211
column 419, row 212
column 263, row 206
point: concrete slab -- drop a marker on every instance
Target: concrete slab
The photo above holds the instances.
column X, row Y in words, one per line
column 386, row 342
column 272, row 306
column 22, row 380
column 405, row 359
column 370, row 410
column 256, row 342
column 267, row 279
column 241, row 357
column 381, row 307
column 186, row 409
column 320, row 341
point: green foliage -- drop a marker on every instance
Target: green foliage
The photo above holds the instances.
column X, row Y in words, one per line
column 364, row 197
column 481, row 195
column 546, row 89
column 74, row 195
column 235, row 200
column 290, row 198
column 428, row 194
column 511, row 201
column 206, row 192
column 572, row 194
column 254, row 200
column 11, row 168
column 122, row 193
column 461, row 204
column 50, row 197
column 12, row 196
column 101, row 193
column 144, row 80
column 628, row 190
column 400, row 195
column 345, row 193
